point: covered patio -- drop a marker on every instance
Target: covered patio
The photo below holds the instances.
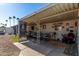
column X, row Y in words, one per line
column 57, row 19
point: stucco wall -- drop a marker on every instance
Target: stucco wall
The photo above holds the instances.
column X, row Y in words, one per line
column 59, row 32
column 49, row 27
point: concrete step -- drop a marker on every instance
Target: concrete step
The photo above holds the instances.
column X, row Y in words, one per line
column 26, row 51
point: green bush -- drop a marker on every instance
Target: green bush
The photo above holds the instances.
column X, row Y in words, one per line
column 15, row 38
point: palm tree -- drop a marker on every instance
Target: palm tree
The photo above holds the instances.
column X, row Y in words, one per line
column 14, row 17
column 14, row 20
column 6, row 22
column 18, row 25
column 10, row 20
column 17, row 18
column 1, row 23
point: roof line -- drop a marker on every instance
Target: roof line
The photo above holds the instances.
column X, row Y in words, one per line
column 38, row 11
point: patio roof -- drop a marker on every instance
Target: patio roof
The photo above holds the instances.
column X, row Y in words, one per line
column 54, row 12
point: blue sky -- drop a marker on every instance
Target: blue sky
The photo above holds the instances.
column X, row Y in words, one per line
column 18, row 9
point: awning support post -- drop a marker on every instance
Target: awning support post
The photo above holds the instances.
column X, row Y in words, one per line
column 38, row 33
column 78, row 31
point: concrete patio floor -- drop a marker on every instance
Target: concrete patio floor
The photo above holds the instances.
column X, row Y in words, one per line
column 44, row 49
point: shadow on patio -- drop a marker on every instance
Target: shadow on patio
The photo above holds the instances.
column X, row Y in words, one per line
column 46, row 48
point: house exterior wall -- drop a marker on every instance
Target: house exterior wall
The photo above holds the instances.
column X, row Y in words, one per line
column 29, row 28
column 50, row 28
column 22, row 29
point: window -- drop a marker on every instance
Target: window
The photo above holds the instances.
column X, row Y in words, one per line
column 56, row 28
column 67, row 24
column 62, row 26
column 71, row 26
column 75, row 23
column 44, row 26
column 32, row 27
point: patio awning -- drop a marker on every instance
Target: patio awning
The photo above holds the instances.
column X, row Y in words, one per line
column 54, row 12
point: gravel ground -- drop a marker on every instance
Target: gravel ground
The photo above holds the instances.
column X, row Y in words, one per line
column 7, row 48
